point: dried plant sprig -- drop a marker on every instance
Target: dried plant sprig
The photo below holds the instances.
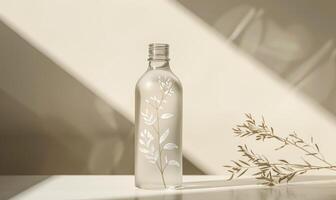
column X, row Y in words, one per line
column 271, row 173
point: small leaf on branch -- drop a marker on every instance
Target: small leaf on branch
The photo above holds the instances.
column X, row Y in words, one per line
column 242, row 172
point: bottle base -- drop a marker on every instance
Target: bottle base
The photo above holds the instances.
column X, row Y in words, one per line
column 157, row 187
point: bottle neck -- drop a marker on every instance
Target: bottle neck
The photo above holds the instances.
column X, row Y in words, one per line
column 158, row 64
column 158, row 56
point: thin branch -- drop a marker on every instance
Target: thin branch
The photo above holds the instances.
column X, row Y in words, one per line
column 271, row 173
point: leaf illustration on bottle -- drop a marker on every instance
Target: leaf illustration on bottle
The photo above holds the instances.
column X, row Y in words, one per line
column 166, row 115
column 148, row 117
column 145, row 114
column 169, row 91
column 156, row 152
column 166, row 85
column 170, row 146
column 155, row 99
column 150, row 122
column 147, row 147
column 141, row 141
column 173, row 162
column 164, row 136
column 143, row 150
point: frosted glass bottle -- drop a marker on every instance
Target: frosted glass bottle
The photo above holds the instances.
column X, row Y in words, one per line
column 158, row 124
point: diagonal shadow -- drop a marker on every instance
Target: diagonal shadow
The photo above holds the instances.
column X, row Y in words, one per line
column 12, row 185
column 50, row 123
column 293, row 39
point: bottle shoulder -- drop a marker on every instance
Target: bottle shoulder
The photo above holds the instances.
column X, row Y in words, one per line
column 151, row 78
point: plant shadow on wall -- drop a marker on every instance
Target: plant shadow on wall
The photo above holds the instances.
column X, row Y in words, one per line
column 50, row 123
column 294, row 39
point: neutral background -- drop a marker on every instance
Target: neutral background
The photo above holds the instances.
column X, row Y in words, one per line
column 68, row 71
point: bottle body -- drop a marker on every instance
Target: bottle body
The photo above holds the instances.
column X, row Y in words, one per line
column 158, row 129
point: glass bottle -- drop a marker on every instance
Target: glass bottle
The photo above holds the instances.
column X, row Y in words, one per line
column 158, row 124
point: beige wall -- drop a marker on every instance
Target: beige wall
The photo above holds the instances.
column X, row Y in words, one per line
column 94, row 51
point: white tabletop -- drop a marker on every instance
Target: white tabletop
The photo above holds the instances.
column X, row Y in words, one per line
column 195, row 187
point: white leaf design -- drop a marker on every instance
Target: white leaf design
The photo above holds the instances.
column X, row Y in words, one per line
column 166, row 116
column 141, row 142
column 171, row 91
column 150, row 121
column 146, row 146
column 164, row 136
column 148, row 117
column 166, row 159
column 143, row 150
column 170, row 146
column 155, row 99
column 174, row 162
column 145, row 138
column 144, row 114
column 149, row 135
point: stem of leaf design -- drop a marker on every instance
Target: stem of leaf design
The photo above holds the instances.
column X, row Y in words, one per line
column 272, row 173
column 159, row 145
